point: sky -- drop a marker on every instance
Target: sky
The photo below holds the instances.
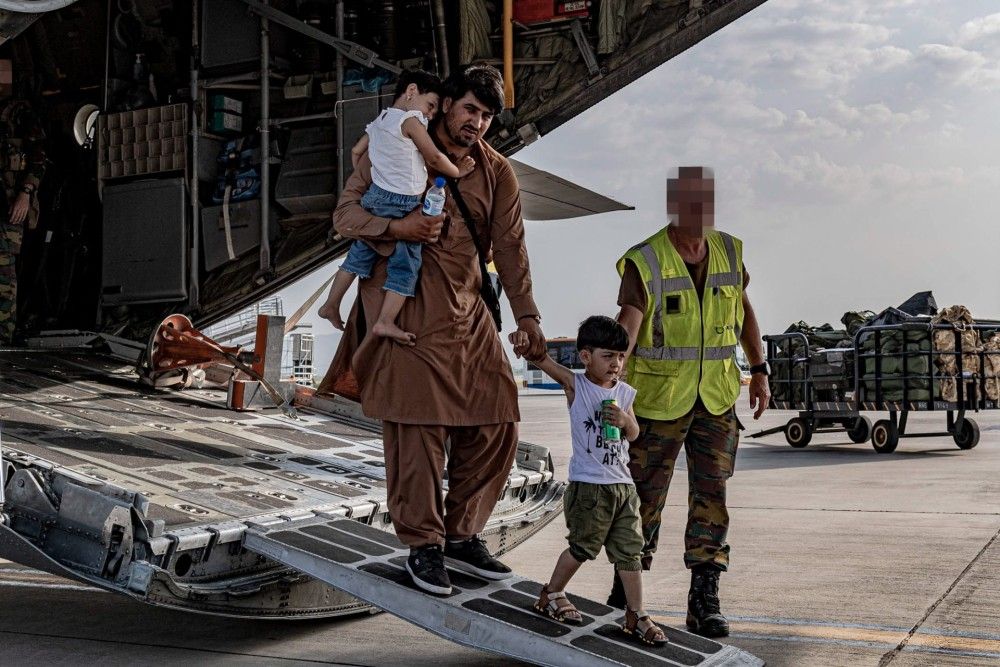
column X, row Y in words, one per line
column 854, row 145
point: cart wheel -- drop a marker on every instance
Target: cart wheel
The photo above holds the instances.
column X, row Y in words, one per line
column 968, row 436
column 798, row 432
column 860, row 430
column 885, row 436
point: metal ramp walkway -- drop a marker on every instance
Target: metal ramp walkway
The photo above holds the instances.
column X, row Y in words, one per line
column 492, row 616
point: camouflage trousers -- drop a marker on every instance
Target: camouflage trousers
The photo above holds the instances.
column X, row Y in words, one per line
column 710, row 443
column 10, row 247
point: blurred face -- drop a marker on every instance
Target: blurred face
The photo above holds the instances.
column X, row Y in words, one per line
column 466, row 119
column 603, row 366
column 691, row 204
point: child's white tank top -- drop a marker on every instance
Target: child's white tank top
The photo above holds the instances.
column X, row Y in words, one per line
column 397, row 165
column 594, row 460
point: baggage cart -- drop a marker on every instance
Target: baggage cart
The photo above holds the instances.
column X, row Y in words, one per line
column 894, row 368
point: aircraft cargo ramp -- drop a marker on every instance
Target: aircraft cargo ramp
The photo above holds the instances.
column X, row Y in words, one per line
column 494, row 616
column 87, row 452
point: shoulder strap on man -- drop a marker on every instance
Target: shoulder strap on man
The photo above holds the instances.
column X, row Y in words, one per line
column 487, row 292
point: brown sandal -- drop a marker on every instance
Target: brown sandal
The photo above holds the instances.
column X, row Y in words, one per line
column 558, row 607
column 653, row 635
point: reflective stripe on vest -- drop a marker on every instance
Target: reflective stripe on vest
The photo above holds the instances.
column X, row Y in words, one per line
column 668, row 353
column 656, row 289
column 685, row 353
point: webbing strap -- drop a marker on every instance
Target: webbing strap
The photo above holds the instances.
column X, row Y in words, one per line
column 226, row 225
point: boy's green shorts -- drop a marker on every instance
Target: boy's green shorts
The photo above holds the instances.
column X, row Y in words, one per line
column 604, row 515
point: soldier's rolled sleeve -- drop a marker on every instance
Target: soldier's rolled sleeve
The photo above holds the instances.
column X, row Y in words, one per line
column 510, row 253
column 632, row 291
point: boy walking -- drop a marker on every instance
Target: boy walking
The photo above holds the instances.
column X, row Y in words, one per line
column 601, row 504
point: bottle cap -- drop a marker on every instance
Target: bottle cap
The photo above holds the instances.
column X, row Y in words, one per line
column 440, row 182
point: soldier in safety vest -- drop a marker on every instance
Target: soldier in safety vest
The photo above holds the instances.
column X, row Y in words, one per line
column 684, row 305
column 22, row 162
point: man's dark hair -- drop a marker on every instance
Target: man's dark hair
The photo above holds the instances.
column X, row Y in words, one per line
column 483, row 81
column 426, row 82
column 601, row 331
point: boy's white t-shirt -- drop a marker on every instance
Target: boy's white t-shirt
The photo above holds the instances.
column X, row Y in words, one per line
column 594, row 460
column 397, row 165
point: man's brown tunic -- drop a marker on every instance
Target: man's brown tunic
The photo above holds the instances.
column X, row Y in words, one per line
column 457, row 374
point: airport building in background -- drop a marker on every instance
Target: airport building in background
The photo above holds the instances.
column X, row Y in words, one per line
column 297, row 349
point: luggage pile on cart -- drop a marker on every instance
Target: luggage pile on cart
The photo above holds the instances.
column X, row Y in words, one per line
column 911, row 358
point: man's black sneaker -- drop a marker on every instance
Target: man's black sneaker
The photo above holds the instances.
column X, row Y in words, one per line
column 472, row 556
column 426, row 568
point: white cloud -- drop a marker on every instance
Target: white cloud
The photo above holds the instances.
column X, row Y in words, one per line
column 957, row 65
column 978, row 29
column 877, row 114
column 821, row 180
column 812, row 51
column 885, row 58
column 817, row 126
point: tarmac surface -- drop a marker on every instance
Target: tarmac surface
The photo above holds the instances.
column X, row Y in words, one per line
column 840, row 556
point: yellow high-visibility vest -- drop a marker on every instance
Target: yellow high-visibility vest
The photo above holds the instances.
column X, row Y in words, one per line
column 686, row 346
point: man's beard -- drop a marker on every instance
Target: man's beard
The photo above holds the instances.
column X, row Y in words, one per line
column 459, row 138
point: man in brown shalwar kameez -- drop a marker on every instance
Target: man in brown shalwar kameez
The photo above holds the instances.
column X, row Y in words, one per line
column 455, row 385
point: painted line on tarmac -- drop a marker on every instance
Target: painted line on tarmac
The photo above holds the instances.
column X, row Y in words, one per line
column 844, row 510
column 119, row 642
column 61, row 587
column 862, row 644
column 959, row 633
column 30, row 578
column 869, row 637
column 864, row 635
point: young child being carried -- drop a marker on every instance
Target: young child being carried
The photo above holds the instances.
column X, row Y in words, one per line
column 601, row 504
column 400, row 150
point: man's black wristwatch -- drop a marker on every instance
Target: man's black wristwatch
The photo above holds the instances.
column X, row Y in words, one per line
column 760, row 368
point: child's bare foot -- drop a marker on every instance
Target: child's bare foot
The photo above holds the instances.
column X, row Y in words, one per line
column 390, row 330
column 331, row 312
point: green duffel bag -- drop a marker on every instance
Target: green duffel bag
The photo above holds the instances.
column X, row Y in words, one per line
column 894, row 366
column 892, row 390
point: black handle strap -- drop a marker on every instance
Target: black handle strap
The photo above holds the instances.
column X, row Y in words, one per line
column 487, row 292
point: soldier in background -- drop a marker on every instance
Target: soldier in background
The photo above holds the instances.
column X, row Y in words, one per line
column 22, row 159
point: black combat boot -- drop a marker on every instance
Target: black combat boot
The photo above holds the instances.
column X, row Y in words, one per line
column 617, row 597
column 704, row 615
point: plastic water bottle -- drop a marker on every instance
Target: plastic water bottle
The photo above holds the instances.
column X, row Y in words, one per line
column 434, row 199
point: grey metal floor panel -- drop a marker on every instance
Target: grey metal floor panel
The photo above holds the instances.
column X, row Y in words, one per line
column 495, row 616
column 189, row 455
